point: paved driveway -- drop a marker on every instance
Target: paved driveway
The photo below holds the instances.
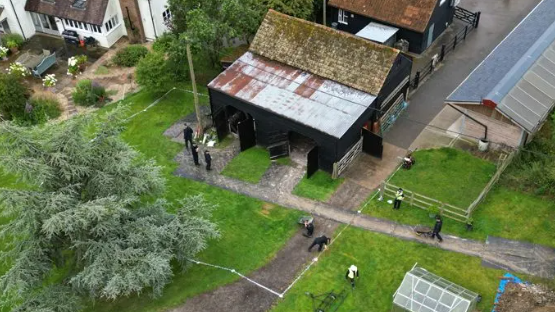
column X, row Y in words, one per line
column 498, row 18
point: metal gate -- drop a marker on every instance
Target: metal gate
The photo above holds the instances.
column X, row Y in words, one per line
column 372, row 143
column 312, row 162
column 220, row 123
column 279, row 150
column 340, row 166
column 247, row 136
column 467, row 16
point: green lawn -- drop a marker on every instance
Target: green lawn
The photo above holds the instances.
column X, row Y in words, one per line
column 382, row 262
column 248, row 166
column 319, row 187
column 504, row 213
column 446, row 174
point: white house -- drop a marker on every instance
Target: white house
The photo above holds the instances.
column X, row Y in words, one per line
column 105, row 20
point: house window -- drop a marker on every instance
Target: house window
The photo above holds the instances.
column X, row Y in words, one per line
column 167, row 15
column 112, row 23
column 441, row 2
column 342, row 17
column 95, row 28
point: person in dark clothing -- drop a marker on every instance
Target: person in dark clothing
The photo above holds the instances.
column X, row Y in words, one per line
column 309, row 228
column 194, row 151
column 208, row 159
column 437, row 228
column 352, row 272
column 188, row 136
column 321, row 241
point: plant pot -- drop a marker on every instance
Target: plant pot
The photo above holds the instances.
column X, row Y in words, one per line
column 14, row 50
column 82, row 67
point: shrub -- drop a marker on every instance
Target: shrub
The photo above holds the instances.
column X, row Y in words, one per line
column 130, row 55
column 42, row 107
column 13, row 96
column 88, row 93
column 15, row 40
column 153, row 72
column 163, row 43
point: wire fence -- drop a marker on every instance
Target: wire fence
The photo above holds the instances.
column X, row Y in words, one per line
column 471, row 20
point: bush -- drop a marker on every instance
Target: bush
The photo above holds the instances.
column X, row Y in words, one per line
column 153, row 73
column 88, row 93
column 130, row 55
column 43, row 108
column 15, row 39
column 13, row 96
column 163, row 43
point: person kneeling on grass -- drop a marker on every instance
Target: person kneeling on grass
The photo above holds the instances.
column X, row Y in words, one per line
column 321, row 241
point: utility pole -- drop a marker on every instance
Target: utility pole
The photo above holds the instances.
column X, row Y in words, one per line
column 324, row 20
column 195, row 95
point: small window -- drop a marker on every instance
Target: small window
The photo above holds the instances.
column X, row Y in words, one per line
column 441, row 2
column 112, row 23
column 343, row 17
column 167, row 15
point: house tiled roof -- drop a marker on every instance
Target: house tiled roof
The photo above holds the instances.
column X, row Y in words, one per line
column 323, row 51
column 410, row 14
column 93, row 13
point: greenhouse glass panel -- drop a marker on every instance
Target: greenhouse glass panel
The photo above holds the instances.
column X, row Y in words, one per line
column 422, row 291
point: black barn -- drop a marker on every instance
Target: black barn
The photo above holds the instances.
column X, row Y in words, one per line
column 419, row 22
column 304, row 78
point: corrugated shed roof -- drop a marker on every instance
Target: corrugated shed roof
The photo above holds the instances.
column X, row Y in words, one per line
column 323, row 51
column 409, row 14
column 321, row 104
column 93, row 13
column 377, row 32
column 508, row 54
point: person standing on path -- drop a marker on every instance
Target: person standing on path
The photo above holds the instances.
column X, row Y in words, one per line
column 321, row 241
column 399, row 196
column 188, row 136
column 309, row 228
column 437, row 228
column 194, row 151
column 208, row 160
column 352, row 272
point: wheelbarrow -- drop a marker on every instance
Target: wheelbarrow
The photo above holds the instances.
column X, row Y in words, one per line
column 303, row 219
column 422, row 230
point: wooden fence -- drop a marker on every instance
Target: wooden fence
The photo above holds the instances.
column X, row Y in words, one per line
column 448, row 210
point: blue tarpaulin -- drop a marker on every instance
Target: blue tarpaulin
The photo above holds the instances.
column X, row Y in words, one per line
column 507, row 278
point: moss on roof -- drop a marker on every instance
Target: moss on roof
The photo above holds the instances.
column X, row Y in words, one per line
column 323, row 51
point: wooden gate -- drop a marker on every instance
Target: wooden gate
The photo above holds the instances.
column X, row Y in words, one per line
column 340, row 166
column 372, row 143
column 247, row 136
column 312, row 162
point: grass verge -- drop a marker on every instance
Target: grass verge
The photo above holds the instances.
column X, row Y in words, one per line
column 382, row 264
column 319, row 187
column 248, row 166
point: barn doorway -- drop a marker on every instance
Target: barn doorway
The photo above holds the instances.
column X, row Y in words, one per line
column 300, row 146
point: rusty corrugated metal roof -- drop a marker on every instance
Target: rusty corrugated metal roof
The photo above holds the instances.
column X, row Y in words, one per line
column 324, row 51
column 409, row 14
column 319, row 103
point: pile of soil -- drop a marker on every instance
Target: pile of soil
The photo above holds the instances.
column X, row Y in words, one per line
column 526, row 298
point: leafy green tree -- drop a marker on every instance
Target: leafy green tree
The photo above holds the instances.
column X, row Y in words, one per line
column 205, row 24
column 153, row 72
column 13, row 96
column 84, row 226
column 298, row 8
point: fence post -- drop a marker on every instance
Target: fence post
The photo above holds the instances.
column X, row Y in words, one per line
column 382, row 190
column 455, row 43
column 477, row 19
column 442, row 55
column 465, row 31
column 411, row 198
column 416, row 79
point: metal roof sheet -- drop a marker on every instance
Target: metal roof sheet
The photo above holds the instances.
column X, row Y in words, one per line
column 377, row 32
column 529, row 101
column 319, row 103
column 514, row 55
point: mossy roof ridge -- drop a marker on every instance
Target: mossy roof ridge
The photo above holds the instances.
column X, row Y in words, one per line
column 323, row 51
